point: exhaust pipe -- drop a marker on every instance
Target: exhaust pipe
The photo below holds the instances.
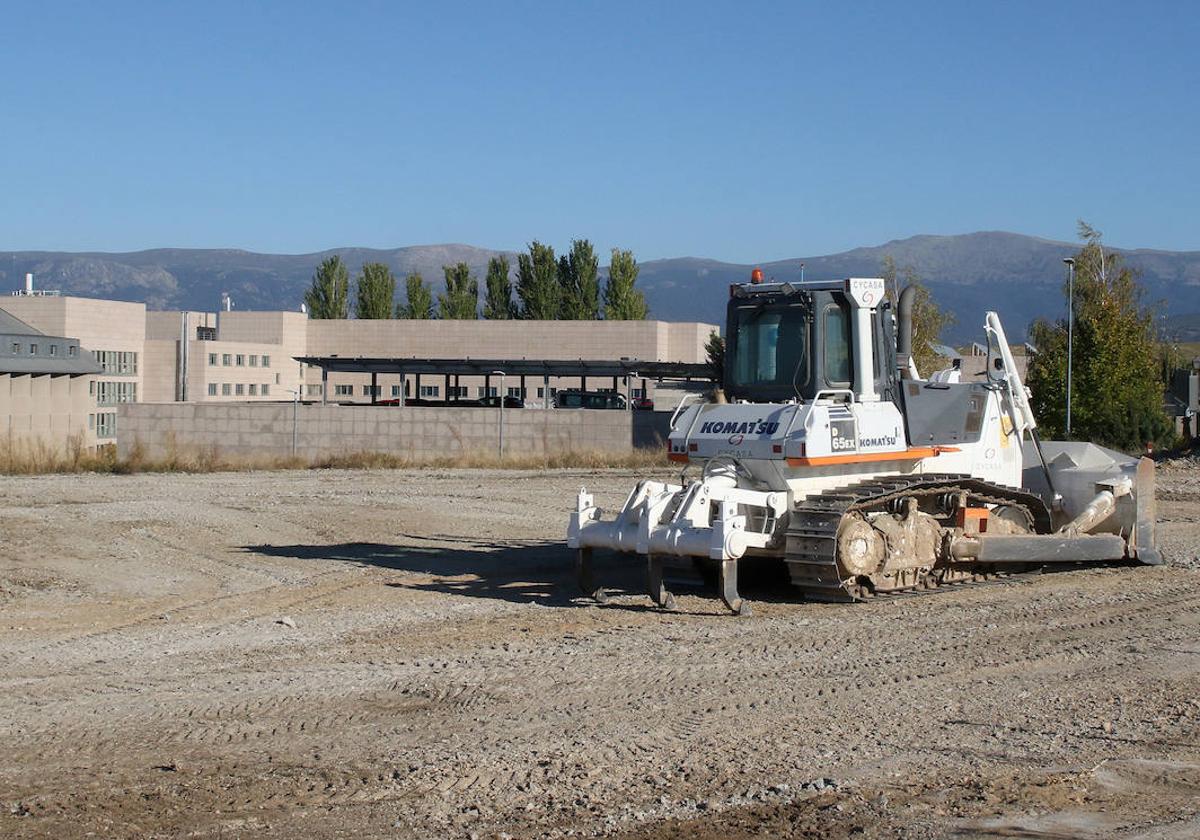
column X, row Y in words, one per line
column 904, row 310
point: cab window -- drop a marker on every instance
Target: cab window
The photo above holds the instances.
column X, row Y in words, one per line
column 837, row 346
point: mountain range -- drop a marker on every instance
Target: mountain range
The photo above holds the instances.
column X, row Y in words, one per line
column 1021, row 277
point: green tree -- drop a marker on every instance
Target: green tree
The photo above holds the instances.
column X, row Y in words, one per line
column 420, row 299
column 579, row 279
column 329, row 294
column 376, row 292
column 461, row 300
column 622, row 302
column 537, row 283
column 1117, row 377
column 714, row 350
column 499, row 305
column 567, row 296
column 929, row 319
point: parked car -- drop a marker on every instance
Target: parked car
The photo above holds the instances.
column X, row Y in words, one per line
column 574, row 398
column 643, row 404
column 509, row 402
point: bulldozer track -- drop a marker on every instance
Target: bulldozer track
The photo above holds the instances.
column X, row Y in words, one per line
column 811, row 553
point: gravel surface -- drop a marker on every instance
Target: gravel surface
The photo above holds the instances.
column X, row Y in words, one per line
column 401, row 654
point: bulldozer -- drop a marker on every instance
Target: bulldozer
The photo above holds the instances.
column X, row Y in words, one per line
column 826, row 450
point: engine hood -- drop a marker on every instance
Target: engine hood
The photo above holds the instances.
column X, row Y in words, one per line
column 740, row 430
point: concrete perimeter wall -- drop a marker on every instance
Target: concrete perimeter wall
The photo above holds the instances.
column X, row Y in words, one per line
column 257, row 430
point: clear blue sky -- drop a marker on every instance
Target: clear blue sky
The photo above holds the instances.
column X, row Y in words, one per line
column 740, row 131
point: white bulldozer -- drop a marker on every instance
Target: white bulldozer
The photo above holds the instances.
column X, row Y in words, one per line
column 834, row 456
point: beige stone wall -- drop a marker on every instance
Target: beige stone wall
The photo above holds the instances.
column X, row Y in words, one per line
column 166, row 326
column 498, row 339
column 46, row 410
column 421, row 433
column 686, row 341
column 288, row 329
column 158, row 371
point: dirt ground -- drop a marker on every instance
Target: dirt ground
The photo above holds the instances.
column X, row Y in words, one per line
column 401, row 654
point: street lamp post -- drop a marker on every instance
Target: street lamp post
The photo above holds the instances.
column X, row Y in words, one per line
column 1070, row 332
column 295, row 411
column 501, row 374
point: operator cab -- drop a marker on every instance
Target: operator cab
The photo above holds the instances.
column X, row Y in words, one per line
column 795, row 341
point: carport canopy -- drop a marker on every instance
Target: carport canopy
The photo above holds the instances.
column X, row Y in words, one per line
column 520, row 368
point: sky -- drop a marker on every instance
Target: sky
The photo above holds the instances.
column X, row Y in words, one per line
column 743, row 131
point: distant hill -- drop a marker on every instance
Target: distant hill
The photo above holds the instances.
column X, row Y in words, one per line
column 1019, row 276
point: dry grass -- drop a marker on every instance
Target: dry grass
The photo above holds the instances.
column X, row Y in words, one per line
column 22, row 457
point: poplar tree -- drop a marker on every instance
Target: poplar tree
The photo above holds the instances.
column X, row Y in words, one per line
column 420, row 299
column 499, row 305
column 376, row 292
column 461, row 300
column 579, row 278
column 329, row 295
column 622, row 302
column 537, row 283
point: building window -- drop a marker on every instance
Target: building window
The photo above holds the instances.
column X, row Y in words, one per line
column 117, row 362
column 226, row 359
column 32, row 349
column 225, row 389
column 241, row 360
column 395, row 391
column 266, row 390
column 276, row 377
column 517, row 392
column 72, row 350
column 92, row 388
column 16, row 347
column 430, row 391
column 239, row 389
column 91, row 422
column 372, row 390
column 53, row 349
column 314, row 390
column 253, row 360
column 266, row 361
column 111, row 393
column 106, row 424
column 206, row 333
column 541, row 392
column 212, row 389
column 253, row 389
column 343, row 390
column 486, row 392
column 212, row 359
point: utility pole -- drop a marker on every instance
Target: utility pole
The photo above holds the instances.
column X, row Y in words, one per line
column 501, row 374
column 1070, row 332
column 295, row 412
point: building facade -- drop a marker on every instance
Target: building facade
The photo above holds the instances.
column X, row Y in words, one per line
column 112, row 332
column 233, row 356
column 47, row 388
